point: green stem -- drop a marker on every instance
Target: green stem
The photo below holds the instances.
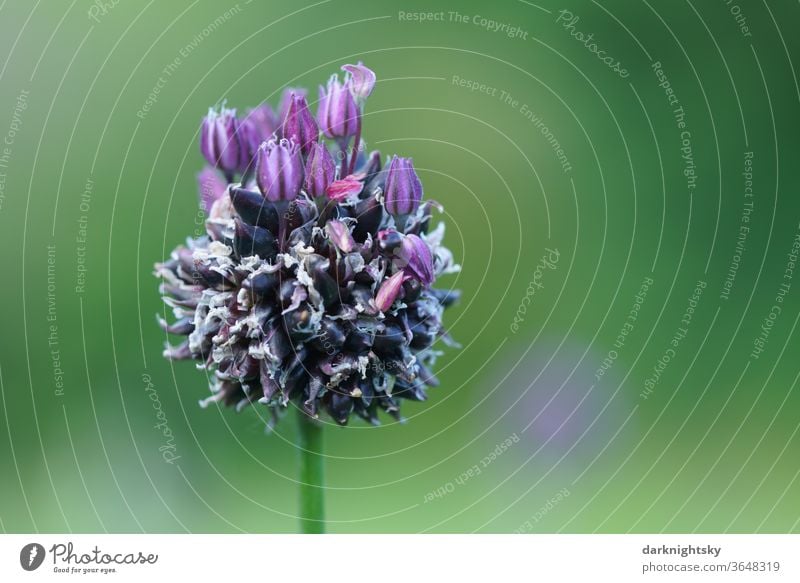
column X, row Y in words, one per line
column 312, row 475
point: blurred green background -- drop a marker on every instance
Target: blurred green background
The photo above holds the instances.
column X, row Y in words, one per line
column 557, row 151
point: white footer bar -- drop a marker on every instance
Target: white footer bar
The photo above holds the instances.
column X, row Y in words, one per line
column 401, row 558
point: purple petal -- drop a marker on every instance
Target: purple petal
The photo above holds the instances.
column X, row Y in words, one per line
column 339, row 233
column 363, row 80
column 344, row 188
column 389, row 290
column 417, row 259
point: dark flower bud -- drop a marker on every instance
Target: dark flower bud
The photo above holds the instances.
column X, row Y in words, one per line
column 423, row 333
column 298, row 213
column 330, row 338
column 369, row 213
column 340, row 406
column 279, row 170
column 249, row 240
column 338, row 114
column 412, row 290
column 299, row 124
column 403, row 189
column 391, row 340
column 261, row 283
column 220, row 140
column 389, row 240
column 254, row 209
column 320, row 170
column 372, row 166
column 327, row 286
column 359, row 341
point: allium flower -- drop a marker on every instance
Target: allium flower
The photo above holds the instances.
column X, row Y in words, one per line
column 220, row 141
column 310, row 291
column 403, row 189
column 338, row 115
column 279, row 170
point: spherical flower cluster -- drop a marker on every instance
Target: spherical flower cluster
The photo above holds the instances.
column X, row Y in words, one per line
column 313, row 283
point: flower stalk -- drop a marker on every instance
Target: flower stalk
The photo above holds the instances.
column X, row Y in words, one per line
column 312, row 475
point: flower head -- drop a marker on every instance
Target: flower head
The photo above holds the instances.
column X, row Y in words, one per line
column 322, row 298
column 279, row 170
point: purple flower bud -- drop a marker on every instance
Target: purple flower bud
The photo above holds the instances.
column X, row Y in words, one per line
column 279, row 170
column 320, row 170
column 338, row 114
column 362, row 79
column 403, row 189
column 286, row 100
column 256, row 127
column 416, row 259
column 344, row 188
column 219, row 140
column 211, row 187
column 299, row 124
column 389, row 290
column 339, row 233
